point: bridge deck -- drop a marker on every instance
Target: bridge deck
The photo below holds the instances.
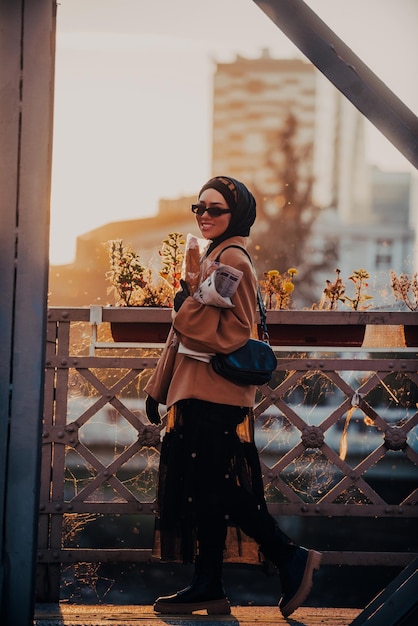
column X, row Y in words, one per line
column 135, row 615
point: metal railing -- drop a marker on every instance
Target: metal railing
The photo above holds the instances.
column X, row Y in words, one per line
column 336, row 428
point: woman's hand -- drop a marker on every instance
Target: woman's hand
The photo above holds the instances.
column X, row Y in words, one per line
column 151, row 409
column 181, row 295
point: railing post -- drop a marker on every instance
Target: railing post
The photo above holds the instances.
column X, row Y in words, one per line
column 48, row 578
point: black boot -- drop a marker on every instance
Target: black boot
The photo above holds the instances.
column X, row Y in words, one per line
column 296, row 566
column 205, row 592
column 296, row 577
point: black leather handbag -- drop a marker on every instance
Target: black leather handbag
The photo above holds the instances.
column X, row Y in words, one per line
column 253, row 363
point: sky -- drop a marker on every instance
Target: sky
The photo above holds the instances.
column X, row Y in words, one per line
column 133, row 95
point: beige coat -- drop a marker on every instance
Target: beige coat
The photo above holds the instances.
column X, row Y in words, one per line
column 212, row 329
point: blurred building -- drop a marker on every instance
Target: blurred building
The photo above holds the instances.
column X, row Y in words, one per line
column 385, row 242
column 84, row 282
column 365, row 212
column 252, row 98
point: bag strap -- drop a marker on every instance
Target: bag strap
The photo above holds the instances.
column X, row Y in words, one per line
column 261, row 307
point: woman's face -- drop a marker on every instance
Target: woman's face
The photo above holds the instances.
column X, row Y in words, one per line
column 212, row 227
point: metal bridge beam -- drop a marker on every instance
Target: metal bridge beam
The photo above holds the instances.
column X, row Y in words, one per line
column 347, row 72
column 27, row 51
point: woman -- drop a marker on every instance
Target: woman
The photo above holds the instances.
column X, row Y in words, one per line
column 210, row 496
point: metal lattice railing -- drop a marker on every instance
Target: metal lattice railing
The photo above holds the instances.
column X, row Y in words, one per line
column 337, row 435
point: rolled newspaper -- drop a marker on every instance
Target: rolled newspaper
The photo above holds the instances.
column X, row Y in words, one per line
column 219, row 286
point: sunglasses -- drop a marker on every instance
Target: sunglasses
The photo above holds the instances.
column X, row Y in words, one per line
column 212, row 211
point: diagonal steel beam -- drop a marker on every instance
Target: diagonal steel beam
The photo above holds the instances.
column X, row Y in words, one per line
column 347, row 72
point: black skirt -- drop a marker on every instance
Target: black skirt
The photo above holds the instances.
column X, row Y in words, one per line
column 207, row 455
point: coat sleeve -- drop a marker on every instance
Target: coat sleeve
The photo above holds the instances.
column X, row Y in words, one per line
column 213, row 329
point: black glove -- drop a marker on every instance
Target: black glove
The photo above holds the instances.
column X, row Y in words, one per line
column 181, row 295
column 151, row 409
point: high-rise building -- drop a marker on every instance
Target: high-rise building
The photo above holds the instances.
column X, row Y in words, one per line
column 253, row 98
column 366, row 223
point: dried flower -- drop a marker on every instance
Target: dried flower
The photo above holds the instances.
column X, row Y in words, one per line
column 132, row 283
column 336, row 292
column 172, row 254
column 332, row 293
column 277, row 288
column 401, row 286
column 359, row 278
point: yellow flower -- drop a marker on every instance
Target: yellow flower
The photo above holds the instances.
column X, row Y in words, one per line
column 277, row 288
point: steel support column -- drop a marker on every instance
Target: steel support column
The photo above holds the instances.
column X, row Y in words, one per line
column 347, row 72
column 27, row 53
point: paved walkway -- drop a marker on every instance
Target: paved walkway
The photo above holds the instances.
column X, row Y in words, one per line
column 135, row 615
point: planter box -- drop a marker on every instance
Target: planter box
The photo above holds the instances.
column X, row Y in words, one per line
column 139, row 332
column 139, row 324
column 333, row 328
column 311, row 335
column 315, row 328
column 286, row 328
column 411, row 334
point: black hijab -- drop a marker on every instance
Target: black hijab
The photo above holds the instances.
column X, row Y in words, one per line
column 241, row 202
